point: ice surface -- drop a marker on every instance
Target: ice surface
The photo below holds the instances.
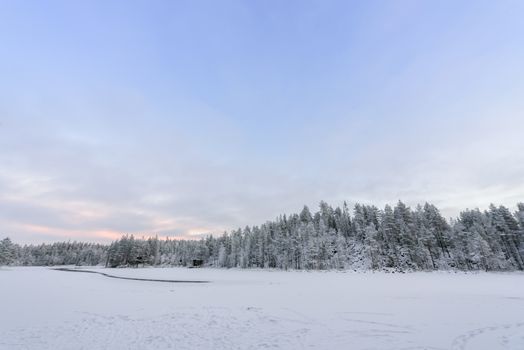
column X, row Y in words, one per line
column 256, row 309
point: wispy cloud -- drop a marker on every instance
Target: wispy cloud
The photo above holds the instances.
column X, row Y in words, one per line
column 181, row 122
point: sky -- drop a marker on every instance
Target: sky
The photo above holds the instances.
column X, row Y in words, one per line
column 183, row 118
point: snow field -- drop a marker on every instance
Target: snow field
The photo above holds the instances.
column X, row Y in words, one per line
column 257, row 309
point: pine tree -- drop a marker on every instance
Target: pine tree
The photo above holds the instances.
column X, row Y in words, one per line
column 7, row 252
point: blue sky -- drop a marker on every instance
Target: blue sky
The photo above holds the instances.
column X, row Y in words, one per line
column 186, row 117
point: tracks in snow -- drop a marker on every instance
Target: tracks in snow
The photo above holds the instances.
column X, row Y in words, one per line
column 503, row 332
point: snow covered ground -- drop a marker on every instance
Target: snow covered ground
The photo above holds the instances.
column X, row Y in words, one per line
column 251, row 309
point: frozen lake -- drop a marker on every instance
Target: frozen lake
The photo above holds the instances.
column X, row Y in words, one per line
column 254, row 309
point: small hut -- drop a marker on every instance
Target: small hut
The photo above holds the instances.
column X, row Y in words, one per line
column 197, row 263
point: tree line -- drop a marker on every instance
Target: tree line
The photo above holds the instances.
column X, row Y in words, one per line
column 397, row 238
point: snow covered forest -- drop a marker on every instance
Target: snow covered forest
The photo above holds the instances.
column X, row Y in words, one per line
column 396, row 237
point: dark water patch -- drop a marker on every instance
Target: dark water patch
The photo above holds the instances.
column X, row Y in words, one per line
column 128, row 278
